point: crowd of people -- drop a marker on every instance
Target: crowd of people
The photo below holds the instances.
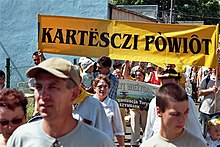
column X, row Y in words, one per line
column 76, row 105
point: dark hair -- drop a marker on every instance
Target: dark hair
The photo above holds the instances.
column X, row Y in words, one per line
column 95, row 67
column 35, row 53
column 99, row 78
column 11, row 98
column 105, row 61
column 142, row 71
column 116, row 65
column 170, row 92
column 2, row 73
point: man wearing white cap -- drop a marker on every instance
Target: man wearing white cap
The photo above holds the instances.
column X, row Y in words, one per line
column 57, row 85
column 87, row 66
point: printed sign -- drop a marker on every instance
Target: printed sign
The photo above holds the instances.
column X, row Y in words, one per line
column 134, row 94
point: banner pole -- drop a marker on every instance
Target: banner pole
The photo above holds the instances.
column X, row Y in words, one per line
column 216, row 80
column 216, row 83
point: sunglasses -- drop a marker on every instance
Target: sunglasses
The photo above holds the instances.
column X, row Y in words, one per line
column 36, row 59
column 13, row 121
column 102, row 86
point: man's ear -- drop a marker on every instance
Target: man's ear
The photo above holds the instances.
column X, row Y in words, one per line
column 75, row 93
column 158, row 111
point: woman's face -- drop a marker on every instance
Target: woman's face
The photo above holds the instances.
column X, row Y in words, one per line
column 139, row 76
column 118, row 73
column 101, row 90
column 10, row 120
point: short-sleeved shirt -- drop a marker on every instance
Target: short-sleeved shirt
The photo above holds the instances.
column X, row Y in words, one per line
column 186, row 139
column 114, row 116
column 33, row 135
column 208, row 103
column 92, row 110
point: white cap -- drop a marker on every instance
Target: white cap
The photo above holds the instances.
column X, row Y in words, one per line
column 86, row 64
column 81, row 59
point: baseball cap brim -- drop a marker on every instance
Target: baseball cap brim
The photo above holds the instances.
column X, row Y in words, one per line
column 58, row 67
column 31, row 73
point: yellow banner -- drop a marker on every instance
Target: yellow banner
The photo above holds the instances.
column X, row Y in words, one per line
column 126, row 40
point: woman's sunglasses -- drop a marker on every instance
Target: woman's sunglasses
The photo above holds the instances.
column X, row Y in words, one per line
column 13, row 121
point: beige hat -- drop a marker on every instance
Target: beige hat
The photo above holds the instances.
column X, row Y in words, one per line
column 59, row 67
column 150, row 65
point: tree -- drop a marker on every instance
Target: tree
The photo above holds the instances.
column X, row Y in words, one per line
column 201, row 10
column 193, row 10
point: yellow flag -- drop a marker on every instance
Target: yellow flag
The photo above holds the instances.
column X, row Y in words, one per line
column 125, row 40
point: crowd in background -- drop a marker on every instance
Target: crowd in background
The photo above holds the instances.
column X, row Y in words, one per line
column 96, row 102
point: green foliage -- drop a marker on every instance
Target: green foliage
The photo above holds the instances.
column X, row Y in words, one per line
column 201, row 10
column 193, row 10
column 30, row 107
column 131, row 2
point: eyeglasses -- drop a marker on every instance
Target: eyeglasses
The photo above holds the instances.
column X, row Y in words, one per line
column 13, row 121
column 102, row 86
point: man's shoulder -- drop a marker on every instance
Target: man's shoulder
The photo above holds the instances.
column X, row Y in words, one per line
column 30, row 125
column 189, row 137
column 151, row 141
column 110, row 102
column 27, row 130
column 94, row 135
column 90, row 100
column 113, row 101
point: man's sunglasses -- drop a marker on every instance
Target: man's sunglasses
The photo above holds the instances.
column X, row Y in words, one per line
column 13, row 121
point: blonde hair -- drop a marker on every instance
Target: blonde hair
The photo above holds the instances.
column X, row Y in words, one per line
column 213, row 122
